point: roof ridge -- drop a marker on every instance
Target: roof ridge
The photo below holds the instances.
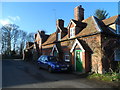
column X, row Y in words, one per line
column 96, row 23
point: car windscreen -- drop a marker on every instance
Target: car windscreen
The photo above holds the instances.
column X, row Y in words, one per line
column 52, row 59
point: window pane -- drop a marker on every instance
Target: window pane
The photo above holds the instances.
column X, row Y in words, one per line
column 59, row 36
column 67, row 58
column 117, row 55
column 118, row 29
column 72, row 32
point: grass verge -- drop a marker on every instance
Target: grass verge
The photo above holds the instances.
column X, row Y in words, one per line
column 111, row 77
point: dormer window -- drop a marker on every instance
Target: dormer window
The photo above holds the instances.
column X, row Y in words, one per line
column 59, row 36
column 118, row 29
column 72, row 32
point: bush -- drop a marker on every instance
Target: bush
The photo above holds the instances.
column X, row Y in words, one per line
column 106, row 77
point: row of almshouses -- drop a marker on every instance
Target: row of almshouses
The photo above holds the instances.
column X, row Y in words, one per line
column 88, row 44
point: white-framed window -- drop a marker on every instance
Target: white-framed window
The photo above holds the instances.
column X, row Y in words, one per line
column 67, row 58
column 118, row 29
column 72, row 32
column 59, row 36
column 117, row 55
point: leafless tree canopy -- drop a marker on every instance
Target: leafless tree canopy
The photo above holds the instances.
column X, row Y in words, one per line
column 14, row 39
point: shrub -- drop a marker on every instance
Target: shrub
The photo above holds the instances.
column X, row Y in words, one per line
column 106, row 77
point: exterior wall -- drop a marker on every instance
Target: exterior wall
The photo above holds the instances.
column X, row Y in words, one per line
column 65, row 51
column 109, row 44
column 88, row 65
column 72, row 25
column 94, row 55
column 37, row 38
column 35, row 55
column 85, row 58
column 92, row 59
column 46, row 51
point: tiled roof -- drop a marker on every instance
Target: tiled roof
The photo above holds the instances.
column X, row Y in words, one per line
column 78, row 23
column 110, row 20
column 104, row 28
column 93, row 25
column 47, row 46
column 51, row 39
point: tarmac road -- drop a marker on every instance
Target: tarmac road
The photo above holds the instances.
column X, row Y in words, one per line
column 21, row 74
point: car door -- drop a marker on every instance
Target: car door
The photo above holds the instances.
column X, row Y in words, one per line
column 46, row 62
column 41, row 61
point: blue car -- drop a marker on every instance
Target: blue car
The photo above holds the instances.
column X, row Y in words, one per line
column 52, row 64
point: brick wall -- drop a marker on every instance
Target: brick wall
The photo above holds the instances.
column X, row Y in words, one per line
column 94, row 43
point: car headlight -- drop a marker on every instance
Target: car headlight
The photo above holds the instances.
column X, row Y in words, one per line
column 57, row 65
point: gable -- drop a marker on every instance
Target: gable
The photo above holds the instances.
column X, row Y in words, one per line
column 71, row 24
column 58, row 29
column 38, row 37
column 113, row 26
column 55, row 48
column 78, row 44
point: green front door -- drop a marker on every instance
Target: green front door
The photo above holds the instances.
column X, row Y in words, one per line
column 78, row 61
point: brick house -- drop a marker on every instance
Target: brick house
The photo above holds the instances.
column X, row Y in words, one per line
column 88, row 44
column 27, row 53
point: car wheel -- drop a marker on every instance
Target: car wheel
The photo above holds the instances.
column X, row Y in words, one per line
column 50, row 69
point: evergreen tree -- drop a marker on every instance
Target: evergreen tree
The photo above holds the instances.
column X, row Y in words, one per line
column 101, row 14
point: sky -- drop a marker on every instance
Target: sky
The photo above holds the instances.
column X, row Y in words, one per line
column 34, row 16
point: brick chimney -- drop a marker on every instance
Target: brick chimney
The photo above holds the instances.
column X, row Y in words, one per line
column 79, row 13
column 60, row 23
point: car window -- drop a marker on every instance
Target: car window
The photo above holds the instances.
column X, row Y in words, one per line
column 43, row 58
column 52, row 59
column 39, row 59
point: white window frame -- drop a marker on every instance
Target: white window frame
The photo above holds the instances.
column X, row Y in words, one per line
column 67, row 60
column 117, row 56
column 72, row 32
column 118, row 28
column 59, row 36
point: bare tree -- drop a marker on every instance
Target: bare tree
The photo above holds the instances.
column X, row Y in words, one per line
column 12, row 38
column 22, row 40
column 9, row 36
column 30, row 37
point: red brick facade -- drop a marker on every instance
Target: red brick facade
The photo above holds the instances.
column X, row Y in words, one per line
column 93, row 38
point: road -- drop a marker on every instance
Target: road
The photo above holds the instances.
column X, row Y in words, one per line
column 21, row 74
